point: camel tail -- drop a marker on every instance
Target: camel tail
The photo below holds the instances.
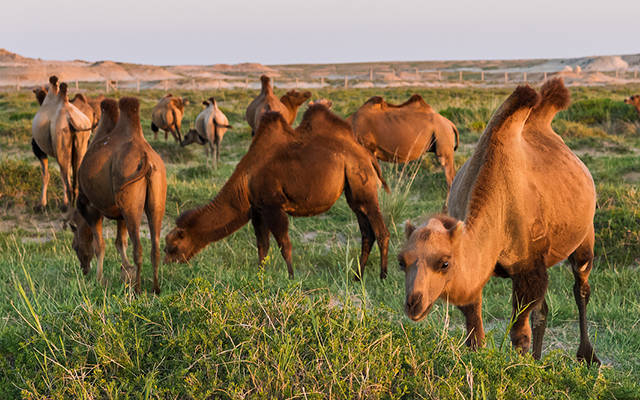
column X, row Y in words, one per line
column 144, row 167
column 376, row 166
column 455, row 131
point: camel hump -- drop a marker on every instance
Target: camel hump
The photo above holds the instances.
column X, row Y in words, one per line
column 109, row 109
column 53, row 79
column 319, row 114
column 80, row 97
column 63, row 90
column 375, row 100
column 554, row 96
column 129, row 105
column 415, row 98
column 270, row 120
column 514, row 110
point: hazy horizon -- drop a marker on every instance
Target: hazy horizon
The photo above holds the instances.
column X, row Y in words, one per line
column 286, row 32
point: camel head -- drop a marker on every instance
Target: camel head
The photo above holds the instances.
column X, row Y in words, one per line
column 183, row 242
column 324, row 102
column 82, row 239
column 53, row 84
column 40, row 93
column 634, row 100
column 193, row 137
column 428, row 262
column 295, row 98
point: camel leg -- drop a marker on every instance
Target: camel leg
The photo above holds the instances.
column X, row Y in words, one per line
column 528, row 292
column 368, row 238
column 473, row 316
column 262, row 235
column 80, row 143
column 581, row 263
column 539, row 319
column 154, row 217
column 99, row 246
column 133, row 227
column 217, row 151
column 278, row 224
column 64, row 162
column 44, row 169
column 154, row 129
column 121, row 243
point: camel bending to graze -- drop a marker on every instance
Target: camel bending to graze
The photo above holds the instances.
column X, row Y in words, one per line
column 211, row 125
column 167, row 115
column 59, row 129
column 298, row 172
column 634, row 101
column 286, row 105
column 121, row 177
column 404, row 133
column 522, row 203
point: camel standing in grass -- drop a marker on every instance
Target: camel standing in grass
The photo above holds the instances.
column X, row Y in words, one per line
column 634, row 101
column 299, row 173
column 404, row 133
column 286, row 105
column 167, row 115
column 211, row 125
column 120, row 177
column 59, row 129
column 522, row 203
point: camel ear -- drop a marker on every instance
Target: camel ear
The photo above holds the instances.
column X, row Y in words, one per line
column 456, row 230
column 408, row 229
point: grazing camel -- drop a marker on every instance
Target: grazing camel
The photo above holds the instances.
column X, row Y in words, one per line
column 59, row 129
column 634, row 101
column 298, row 172
column 121, row 177
column 404, row 133
column 266, row 101
column 167, row 115
column 211, row 125
column 522, row 203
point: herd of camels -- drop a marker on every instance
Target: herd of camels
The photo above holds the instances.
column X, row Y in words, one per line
column 522, row 203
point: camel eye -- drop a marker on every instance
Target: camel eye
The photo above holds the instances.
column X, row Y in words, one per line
column 444, row 265
column 402, row 265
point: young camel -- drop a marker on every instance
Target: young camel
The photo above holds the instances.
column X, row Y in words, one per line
column 120, row 177
column 404, row 133
column 266, row 101
column 167, row 115
column 521, row 204
column 211, row 125
column 59, row 129
column 299, row 173
column 635, row 102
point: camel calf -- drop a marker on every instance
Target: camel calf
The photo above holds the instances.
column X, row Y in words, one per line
column 120, row 177
column 635, row 102
column 211, row 125
column 167, row 115
column 522, row 203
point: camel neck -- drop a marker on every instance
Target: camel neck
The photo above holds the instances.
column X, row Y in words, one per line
column 225, row 214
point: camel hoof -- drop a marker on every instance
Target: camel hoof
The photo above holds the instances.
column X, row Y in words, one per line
column 356, row 278
column 40, row 208
column 127, row 274
column 63, row 208
column 156, row 290
column 586, row 353
column 383, row 275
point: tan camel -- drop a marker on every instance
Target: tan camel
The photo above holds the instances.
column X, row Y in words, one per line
column 167, row 115
column 59, row 129
column 405, row 132
column 120, row 177
column 635, row 102
column 299, row 173
column 286, row 105
column 522, row 203
column 211, row 125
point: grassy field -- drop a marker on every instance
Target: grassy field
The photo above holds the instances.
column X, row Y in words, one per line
column 225, row 327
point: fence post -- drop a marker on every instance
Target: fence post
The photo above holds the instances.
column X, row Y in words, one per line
column 545, row 75
column 524, row 76
column 138, row 85
column 346, row 82
column 322, row 81
column 635, row 74
column 76, row 84
column 482, row 75
column 506, row 77
column 460, row 78
column 371, row 73
column 439, row 75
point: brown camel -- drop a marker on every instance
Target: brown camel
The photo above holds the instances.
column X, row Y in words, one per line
column 211, row 125
column 634, row 101
column 167, row 115
column 90, row 107
column 522, row 203
column 300, row 173
column 120, row 177
column 266, row 101
column 59, row 129
column 404, row 133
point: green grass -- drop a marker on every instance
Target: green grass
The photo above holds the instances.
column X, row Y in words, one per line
column 224, row 327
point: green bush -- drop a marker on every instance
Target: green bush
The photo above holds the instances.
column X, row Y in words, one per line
column 598, row 111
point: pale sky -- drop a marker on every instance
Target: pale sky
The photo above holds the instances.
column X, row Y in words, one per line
column 323, row 31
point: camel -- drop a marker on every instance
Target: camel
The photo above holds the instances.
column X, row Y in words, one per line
column 90, row 107
column 634, row 101
column 167, row 115
column 402, row 133
column 522, row 203
column 59, row 129
column 211, row 125
column 121, row 177
column 298, row 172
column 266, row 101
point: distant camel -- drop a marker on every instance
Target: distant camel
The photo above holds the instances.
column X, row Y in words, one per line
column 59, row 129
column 120, row 177
column 286, row 105
column 211, row 125
column 167, row 115
column 90, row 107
column 522, row 203
column 634, row 101
column 299, row 173
column 405, row 132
